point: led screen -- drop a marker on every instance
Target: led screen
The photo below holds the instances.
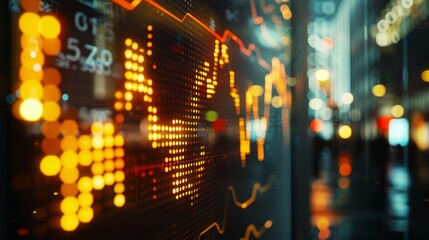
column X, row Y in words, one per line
column 149, row 119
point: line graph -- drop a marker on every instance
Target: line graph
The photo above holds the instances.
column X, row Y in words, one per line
column 257, row 188
column 251, row 229
column 251, row 48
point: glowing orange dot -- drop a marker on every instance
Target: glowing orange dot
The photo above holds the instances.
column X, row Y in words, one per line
column 51, row 111
column 345, row 169
column 85, row 214
column 69, row 205
column 109, row 142
column 98, row 155
column 98, row 182
column 119, row 200
column 49, row 27
column 109, row 178
column 108, row 129
column 316, row 125
column 109, row 165
column 28, row 24
column 51, row 46
column 31, row 89
column 134, row 46
column 86, row 199
column 128, row 42
column 149, row 28
column 97, row 127
column 119, row 141
column 50, row 165
column 69, row 159
column 97, row 168
column 28, row 73
column 322, row 223
column 31, row 57
column 69, row 143
column 119, row 188
column 85, row 142
column 128, row 106
column 69, row 175
column 118, row 106
column 70, row 127
column 31, row 43
column 69, row 189
column 85, row 158
column 324, row 234
column 119, row 164
column 51, row 93
column 119, row 152
column 119, row 176
column 109, row 153
column 85, row 184
column 69, row 222
column 119, row 118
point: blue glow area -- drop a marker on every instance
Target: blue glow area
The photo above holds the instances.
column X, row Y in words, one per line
column 257, row 129
column 399, row 178
column 65, row 97
column 399, row 132
column 398, row 203
column 10, row 98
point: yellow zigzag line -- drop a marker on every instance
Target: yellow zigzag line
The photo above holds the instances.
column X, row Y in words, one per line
column 257, row 188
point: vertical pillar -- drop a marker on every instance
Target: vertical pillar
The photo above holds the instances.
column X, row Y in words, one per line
column 301, row 156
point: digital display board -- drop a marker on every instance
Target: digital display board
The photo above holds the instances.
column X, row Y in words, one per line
column 149, row 119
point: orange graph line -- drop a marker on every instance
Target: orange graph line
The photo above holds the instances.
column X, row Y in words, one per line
column 251, row 229
column 251, row 48
column 257, row 188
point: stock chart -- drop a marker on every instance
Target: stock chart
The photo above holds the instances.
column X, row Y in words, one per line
column 149, row 119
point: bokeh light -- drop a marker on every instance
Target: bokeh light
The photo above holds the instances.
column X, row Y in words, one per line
column 345, row 131
column 69, row 205
column 322, row 75
column 84, row 184
column 425, row 75
column 49, row 27
column 98, row 182
column 85, row 199
column 31, row 110
column 69, row 222
column 51, row 111
column 85, row 214
column 277, row 102
column 119, row 200
column 29, row 23
column 322, row 223
column 50, row 165
column 379, row 90
column 347, row 98
column 397, row 111
column 316, row 103
column 211, row 116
